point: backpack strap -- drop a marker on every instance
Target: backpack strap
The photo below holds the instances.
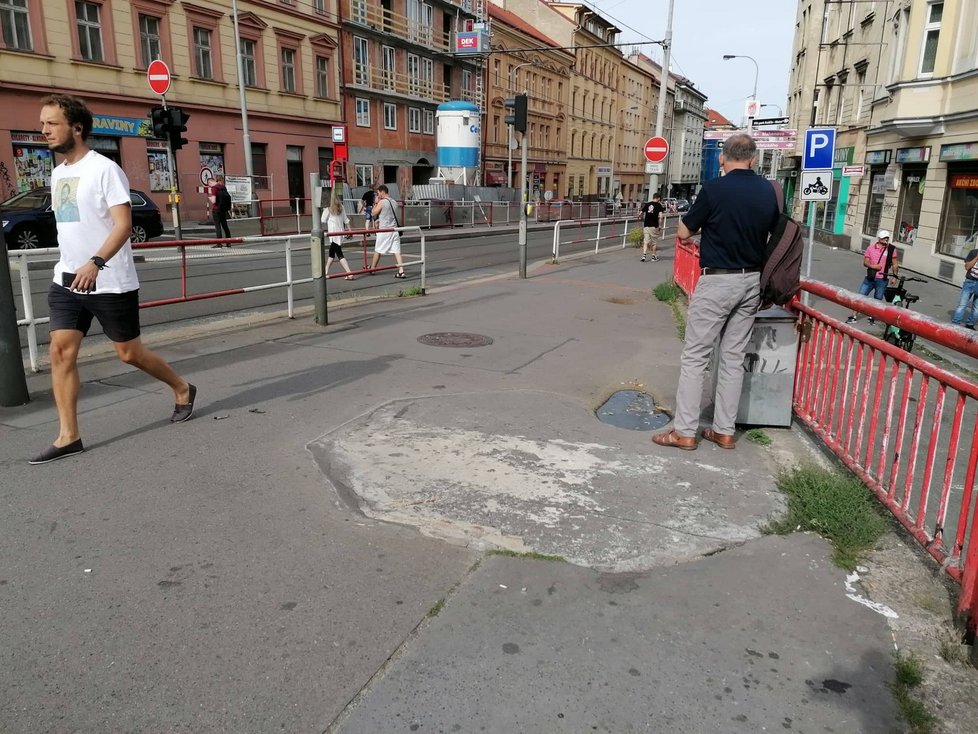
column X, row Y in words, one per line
column 779, row 193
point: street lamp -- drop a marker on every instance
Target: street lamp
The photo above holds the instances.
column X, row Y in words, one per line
column 509, row 144
column 753, row 96
column 614, row 147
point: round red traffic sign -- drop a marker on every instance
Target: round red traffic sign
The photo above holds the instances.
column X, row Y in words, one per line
column 158, row 75
column 656, row 149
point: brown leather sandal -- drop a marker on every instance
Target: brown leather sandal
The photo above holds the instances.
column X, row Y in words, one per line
column 720, row 439
column 671, row 438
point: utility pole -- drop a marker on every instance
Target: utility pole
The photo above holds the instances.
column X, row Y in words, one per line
column 13, row 383
column 317, row 254
column 660, row 116
column 243, row 102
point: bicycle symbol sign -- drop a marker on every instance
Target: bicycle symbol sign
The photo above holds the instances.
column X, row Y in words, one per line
column 816, row 185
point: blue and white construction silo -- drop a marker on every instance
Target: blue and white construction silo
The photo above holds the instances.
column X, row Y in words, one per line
column 459, row 146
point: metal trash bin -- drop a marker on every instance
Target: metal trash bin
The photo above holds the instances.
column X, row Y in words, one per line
column 769, row 370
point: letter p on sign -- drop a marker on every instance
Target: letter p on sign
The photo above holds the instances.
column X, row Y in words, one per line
column 819, row 148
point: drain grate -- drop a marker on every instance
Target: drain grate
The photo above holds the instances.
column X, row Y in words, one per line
column 633, row 410
column 455, row 339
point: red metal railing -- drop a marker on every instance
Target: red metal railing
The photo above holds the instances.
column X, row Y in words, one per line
column 894, row 419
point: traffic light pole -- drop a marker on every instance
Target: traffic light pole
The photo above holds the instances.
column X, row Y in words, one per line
column 523, row 204
column 13, row 382
column 171, row 162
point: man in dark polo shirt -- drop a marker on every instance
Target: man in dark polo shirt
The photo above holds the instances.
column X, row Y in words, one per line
column 734, row 215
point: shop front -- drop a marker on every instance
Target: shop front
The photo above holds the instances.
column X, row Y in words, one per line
column 877, row 163
column 958, row 232
column 913, row 177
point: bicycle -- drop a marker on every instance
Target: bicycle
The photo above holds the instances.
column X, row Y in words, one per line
column 899, row 297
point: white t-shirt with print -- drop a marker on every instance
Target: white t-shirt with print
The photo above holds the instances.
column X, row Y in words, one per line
column 81, row 195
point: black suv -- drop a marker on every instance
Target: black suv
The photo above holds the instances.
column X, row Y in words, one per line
column 28, row 220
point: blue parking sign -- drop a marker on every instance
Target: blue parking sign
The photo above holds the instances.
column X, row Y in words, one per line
column 819, row 148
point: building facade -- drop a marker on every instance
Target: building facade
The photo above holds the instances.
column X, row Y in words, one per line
column 686, row 139
column 290, row 64
column 401, row 65
column 544, row 74
column 899, row 80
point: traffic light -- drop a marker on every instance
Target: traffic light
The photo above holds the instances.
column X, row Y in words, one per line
column 518, row 118
column 178, row 126
column 160, row 117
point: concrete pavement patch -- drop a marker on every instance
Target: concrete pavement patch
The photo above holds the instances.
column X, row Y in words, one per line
column 526, row 470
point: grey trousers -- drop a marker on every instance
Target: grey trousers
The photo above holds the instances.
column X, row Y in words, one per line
column 721, row 306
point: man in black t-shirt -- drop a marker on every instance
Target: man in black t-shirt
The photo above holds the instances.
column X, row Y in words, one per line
column 367, row 202
column 654, row 218
column 969, row 293
column 735, row 214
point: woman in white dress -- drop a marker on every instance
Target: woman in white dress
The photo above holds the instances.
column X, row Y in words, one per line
column 385, row 214
column 335, row 220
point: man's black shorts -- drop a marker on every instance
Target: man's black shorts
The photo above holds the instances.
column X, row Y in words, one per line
column 118, row 313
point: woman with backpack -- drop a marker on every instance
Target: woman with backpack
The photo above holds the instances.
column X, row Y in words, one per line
column 334, row 219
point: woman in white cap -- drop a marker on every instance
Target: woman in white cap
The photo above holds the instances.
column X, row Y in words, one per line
column 881, row 261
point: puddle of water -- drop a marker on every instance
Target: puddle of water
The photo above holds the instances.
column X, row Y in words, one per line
column 633, row 410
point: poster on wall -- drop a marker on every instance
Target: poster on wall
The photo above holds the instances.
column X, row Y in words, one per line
column 212, row 158
column 33, row 161
column 158, row 164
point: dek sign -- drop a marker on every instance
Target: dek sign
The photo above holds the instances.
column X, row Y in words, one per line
column 819, row 150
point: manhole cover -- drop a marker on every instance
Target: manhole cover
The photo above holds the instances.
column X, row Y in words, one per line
column 455, row 339
column 633, row 410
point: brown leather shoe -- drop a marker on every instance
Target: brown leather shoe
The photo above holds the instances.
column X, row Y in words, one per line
column 671, row 438
column 720, row 439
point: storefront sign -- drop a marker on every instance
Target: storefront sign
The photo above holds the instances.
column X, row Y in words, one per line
column 964, row 181
column 28, row 139
column 913, row 155
column 132, row 127
column 877, row 157
column 603, row 170
column 959, row 152
column 843, row 156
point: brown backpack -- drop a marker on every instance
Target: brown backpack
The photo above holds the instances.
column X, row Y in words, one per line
column 781, row 275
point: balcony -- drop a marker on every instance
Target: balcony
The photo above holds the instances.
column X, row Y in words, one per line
column 420, row 31
column 409, row 87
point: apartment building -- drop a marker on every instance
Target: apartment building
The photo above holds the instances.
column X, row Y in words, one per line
column 402, row 66
column 525, row 59
column 899, row 80
column 100, row 49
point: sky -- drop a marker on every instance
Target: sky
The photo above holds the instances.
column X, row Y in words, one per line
column 703, row 31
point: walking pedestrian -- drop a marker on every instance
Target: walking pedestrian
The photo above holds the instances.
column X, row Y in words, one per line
column 735, row 215
column 96, row 275
column 654, row 219
column 367, row 202
column 385, row 213
column 969, row 293
column 881, row 261
column 220, row 208
column 335, row 220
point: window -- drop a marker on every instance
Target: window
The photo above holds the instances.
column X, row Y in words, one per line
column 364, row 174
column 203, row 65
column 414, row 120
column 89, row 31
column 358, row 11
column 427, row 76
column 429, row 122
column 390, row 70
column 911, row 201
column 259, row 164
column 390, row 116
column 840, row 109
column 288, row 70
column 319, row 6
column 16, row 24
column 149, row 38
column 362, row 112
column 959, row 233
column 361, row 61
column 932, row 32
column 825, row 210
column 877, row 193
column 413, row 73
column 860, row 97
column 322, row 76
column 248, row 62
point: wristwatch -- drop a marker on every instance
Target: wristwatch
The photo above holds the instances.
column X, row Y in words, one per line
column 99, row 262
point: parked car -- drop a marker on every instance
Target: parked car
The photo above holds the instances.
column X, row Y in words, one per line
column 682, row 205
column 28, row 220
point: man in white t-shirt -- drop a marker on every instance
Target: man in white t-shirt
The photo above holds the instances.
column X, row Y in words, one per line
column 96, row 276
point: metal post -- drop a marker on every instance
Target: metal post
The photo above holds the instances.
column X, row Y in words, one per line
column 523, row 204
column 806, row 296
column 171, row 162
column 317, row 255
column 660, row 115
column 243, row 102
column 13, row 382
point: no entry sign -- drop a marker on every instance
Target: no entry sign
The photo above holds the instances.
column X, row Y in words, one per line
column 158, row 75
column 656, row 149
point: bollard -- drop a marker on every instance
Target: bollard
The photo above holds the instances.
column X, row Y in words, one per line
column 13, row 382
